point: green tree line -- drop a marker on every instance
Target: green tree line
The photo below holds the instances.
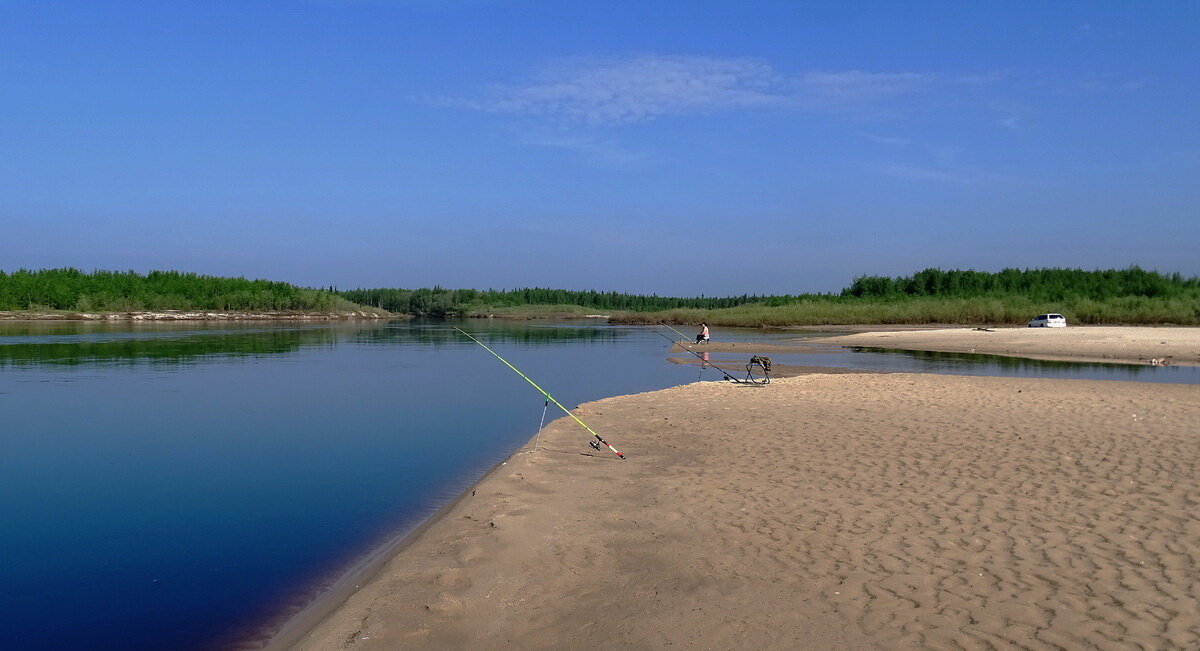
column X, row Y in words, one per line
column 438, row 301
column 1010, row 296
column 1051, row 284
column 120, row 291
column 1131, row 295
column 1029, row 283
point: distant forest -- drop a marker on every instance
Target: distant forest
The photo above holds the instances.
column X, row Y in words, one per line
column 448, row 302
column 1032, row 284
column 1130, row 295
column 127, row 291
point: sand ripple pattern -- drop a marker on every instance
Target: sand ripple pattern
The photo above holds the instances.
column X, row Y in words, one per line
column 857, row 511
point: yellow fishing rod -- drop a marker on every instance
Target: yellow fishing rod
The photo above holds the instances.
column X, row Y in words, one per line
column 544, row 393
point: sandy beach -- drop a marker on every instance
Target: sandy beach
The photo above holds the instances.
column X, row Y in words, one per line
column 1122, row 344
column 822, row 511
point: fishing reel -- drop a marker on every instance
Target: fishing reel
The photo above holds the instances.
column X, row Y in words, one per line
column 595, row 445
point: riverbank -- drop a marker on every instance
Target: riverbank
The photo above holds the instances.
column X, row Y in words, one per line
column 198, row 315
column 1006, row 310
column 1119, row 344
column 832, row 511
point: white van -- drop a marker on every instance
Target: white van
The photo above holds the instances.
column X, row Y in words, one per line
column 1048, row 321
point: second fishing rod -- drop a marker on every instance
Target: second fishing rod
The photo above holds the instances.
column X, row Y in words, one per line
column 667, row 325
column 684, row 347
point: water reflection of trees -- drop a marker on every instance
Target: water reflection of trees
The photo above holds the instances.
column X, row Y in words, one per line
column 441, row 333
column 163, row 350
column 60, row 327
column 79, row 344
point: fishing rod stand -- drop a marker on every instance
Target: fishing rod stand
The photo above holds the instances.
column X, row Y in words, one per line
column 762, row 362
column 538, row 438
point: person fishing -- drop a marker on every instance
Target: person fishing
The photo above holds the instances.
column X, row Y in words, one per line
column 702, row 336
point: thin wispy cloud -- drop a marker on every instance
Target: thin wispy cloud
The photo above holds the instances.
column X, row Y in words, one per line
column 936, row 163
column 1111, row 81
column 1011, row 113
column 893, row 141
column 836, row 90
column 921, row 174
column 621, row 91
column 604, row 152
column 626, row 90
column 941, row 175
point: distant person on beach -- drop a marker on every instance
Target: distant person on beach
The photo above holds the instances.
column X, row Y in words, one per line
column 702, row 338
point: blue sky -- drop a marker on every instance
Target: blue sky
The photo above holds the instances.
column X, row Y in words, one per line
column 673, row 147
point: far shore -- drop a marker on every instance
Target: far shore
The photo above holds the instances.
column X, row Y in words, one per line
column 196, row 315
column 1113, row 344
column 825, row 512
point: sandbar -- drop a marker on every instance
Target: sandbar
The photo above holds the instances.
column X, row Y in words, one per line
column 1116, row 344
column 822, row 512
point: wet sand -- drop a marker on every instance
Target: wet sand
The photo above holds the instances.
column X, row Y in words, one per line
column 737, row 369
column 824, row 512
column 1122, row 344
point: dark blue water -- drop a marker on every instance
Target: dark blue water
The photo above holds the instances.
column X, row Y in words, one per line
column 174, row 486
column 171, row 486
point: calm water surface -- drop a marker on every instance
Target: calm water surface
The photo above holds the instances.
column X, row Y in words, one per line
column 175, row 485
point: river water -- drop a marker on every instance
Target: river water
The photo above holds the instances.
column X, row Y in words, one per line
column 175, row 486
